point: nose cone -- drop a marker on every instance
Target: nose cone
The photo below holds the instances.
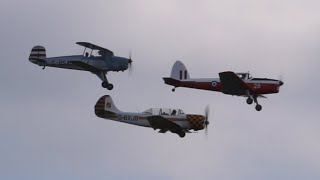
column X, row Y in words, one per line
column 280, row 83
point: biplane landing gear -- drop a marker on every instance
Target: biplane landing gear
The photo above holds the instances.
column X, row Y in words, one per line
column 43, row 67
column 249, row 100
column 174, row 89
column 107, row 85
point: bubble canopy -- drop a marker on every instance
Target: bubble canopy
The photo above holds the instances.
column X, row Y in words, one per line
column 164, row 111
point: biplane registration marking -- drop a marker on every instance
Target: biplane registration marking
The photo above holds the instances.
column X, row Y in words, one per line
column 127, row 118
column 59, row 62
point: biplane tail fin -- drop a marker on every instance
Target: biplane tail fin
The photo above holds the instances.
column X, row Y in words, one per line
column 179, row 71
column 105, row 107
column 38, row 53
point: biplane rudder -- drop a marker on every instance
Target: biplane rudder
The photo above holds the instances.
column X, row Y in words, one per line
column 105, row 107
column 37, row 53
column 179, row 71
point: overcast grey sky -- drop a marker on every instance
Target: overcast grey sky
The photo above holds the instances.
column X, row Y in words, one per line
column 48, row 129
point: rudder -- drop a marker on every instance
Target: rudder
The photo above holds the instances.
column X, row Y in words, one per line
column 105, row 107
column 37, row 53
column 179, row 71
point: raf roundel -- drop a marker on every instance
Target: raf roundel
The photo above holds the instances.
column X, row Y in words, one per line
column 214, row 84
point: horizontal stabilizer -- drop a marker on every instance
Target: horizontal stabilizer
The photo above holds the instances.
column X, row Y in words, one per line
column 171, row 81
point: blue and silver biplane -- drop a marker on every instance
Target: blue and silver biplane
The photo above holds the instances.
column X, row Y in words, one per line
column 98, row 64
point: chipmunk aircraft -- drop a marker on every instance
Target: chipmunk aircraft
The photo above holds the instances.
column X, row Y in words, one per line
column 97, row 64
column 173, row 120
column 238, row 84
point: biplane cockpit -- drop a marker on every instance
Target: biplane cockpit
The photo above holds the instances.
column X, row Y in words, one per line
column 101, row 52
column 164, row 111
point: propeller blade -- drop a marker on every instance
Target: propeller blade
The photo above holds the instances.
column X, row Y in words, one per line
column 206, row 120
column 130, row 67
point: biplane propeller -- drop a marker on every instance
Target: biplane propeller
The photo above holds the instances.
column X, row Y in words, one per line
column 99, row 64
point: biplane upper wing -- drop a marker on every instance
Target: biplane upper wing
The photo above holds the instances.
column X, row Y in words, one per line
column 95, row 47
column 232, row 84
column 159, row 122
column 86, row 66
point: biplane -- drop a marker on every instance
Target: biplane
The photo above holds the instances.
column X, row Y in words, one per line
column 97, row 60
column 238, row 84
column 164, row 119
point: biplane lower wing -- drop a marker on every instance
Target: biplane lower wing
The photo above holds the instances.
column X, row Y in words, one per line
column 86, row 66
column 159, row 122
column 232, row 84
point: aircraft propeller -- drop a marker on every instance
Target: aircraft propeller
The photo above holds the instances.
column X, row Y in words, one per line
column 206, row 120
column 280, row 78
column 130, row 67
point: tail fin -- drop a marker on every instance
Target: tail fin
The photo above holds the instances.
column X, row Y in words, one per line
column 179, row 71
column 37, row 53
column 105, row 107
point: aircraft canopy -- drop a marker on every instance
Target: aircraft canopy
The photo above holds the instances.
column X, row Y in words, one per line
column 164, row 111
column 244, row 75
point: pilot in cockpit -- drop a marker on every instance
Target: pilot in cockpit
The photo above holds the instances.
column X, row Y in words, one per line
column 174, row 112
column 101, row 53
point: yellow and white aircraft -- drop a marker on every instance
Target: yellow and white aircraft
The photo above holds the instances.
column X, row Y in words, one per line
column 173, row 120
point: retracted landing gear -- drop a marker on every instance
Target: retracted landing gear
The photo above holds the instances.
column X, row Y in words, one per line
column 182, row 134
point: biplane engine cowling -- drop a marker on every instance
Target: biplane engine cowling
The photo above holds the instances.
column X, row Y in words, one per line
column 119, row 63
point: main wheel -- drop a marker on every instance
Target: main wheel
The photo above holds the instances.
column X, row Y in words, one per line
column 258, row 107
column 182, row 134
column 110, row 86
column 249, row 101
column 104, row 84
column 173, row 89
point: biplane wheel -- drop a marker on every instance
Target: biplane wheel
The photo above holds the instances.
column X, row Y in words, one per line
column 249, row 101
column 173, row 89
column 110, row 86
column 104, row 84
column 258, row 107
column 182, row 134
